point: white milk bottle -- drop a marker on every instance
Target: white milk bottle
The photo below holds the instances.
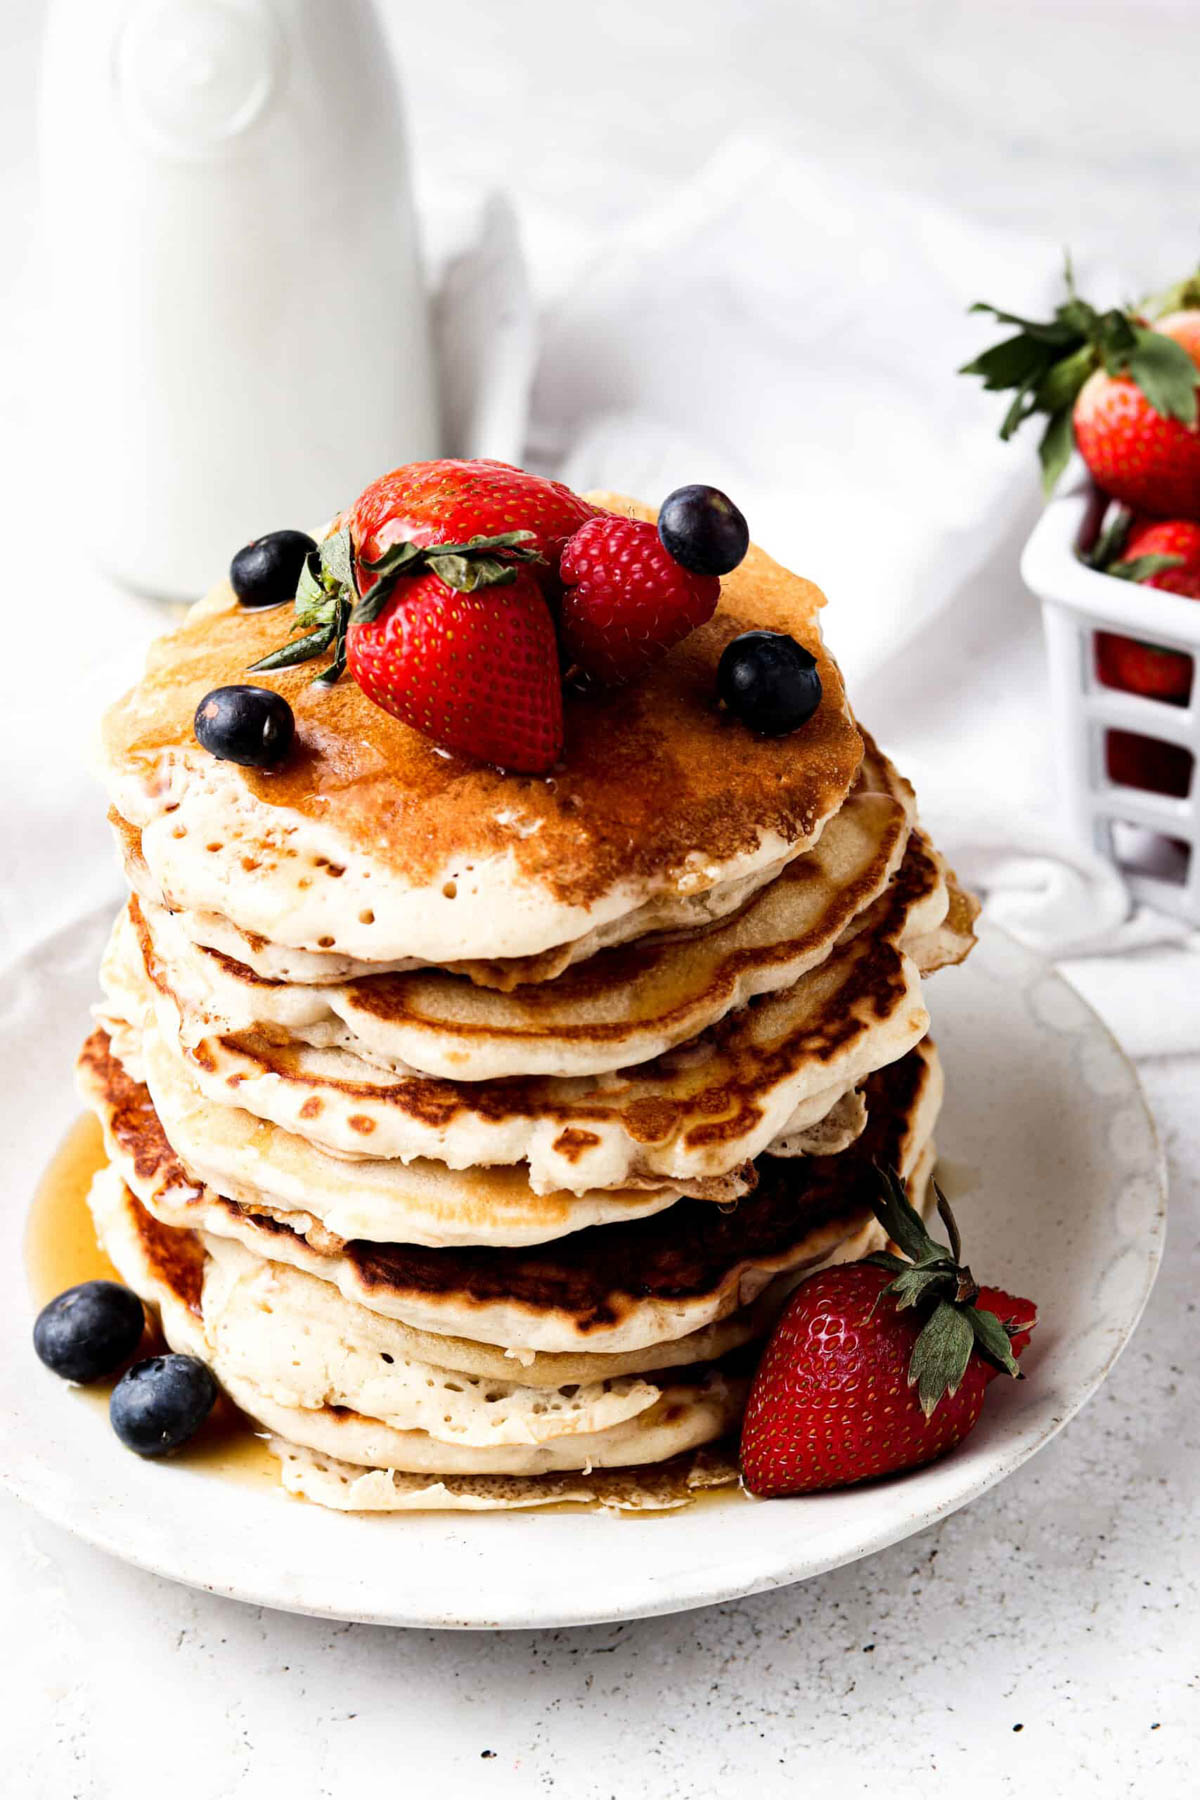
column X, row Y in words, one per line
column 237, row 335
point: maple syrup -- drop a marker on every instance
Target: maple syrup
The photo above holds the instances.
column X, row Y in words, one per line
column 61, row 1250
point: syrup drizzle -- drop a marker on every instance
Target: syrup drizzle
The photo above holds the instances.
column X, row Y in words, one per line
column 61, row 1250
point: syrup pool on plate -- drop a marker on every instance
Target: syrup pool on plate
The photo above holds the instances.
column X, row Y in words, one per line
column 61, row 1250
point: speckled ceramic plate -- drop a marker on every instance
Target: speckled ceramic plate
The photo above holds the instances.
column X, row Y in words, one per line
column 1061, row 1197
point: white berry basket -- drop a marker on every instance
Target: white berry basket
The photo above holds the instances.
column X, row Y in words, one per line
column 1153, row 837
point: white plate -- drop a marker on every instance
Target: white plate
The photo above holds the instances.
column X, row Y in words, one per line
column 1069, row 1209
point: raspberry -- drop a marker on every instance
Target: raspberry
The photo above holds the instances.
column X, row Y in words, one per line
column 627, row 602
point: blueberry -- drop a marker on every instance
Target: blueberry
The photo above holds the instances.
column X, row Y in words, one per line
column 160, row 1403
column 90, row 1330
column 702, row 529
column 248, row 725
column 266, row 571
column 769, row 681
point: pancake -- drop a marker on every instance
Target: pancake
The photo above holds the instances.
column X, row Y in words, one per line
column 138, row 1150
column 206, row 1149
column 303, row 1366
column 620, row 1008
column 666, row 913
column 659, row 1487
column 618, row 1288
column 373, row 842
column 952, row 940
column 686, row 1415
column 702, row 1110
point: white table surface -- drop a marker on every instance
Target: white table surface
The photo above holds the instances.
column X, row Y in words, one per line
column 1045, row 1640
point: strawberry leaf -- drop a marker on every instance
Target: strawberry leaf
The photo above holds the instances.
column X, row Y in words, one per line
column 337, row 562
column 1110, row 541
column 1015, row 362
column 1166, row 375
column 940, row 1355
column 1115, row 337
column 337, row 667
column 465, row 573
column 1044, row 331
column 1063, row 379
column 368, row 609
column 397, row 559
column 1141, row 568
column 300, row 650
column 328, row 597
column 402, row 557
column 992, row 1338
column 918, row 1283
column 902, row 1222
column 314, row 602
column 1054, row 450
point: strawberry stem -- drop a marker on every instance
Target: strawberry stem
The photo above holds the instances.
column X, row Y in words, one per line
column 948, row 1219
column 936, row 1280
column 328, row 599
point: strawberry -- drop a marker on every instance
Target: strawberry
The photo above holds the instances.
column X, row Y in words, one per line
column 1120, row 389
column 626, row 600
column 450, row 501
column 879, row 1365
column 1184, row 325
column 1136, row 453
column 477, row 672
column 1162, row 553
column 1153, row 553
column 1141, row 762
column 455, row 639
column 1137, row 668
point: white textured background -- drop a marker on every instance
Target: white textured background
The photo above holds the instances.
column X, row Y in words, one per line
column 1064, row 1604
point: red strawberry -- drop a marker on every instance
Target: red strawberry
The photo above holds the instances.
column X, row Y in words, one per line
column 1125, row 392
column 1138, row 668
column 626, row 601
column 476, row 671
column 877, row 1366
column 1184, row 326
column 1141, row 762
column 450, row 501
column 1137, row 455
column 1175, row 538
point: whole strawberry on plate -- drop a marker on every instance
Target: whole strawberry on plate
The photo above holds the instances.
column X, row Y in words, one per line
column 1116, row 385
column 880, row 1365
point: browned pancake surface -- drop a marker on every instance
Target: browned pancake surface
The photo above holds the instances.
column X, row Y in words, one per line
column 689, row 1249
column 596, row 1275
column 652, row 775
column 709, row 1104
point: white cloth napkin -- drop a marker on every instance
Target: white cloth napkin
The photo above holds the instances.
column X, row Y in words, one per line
column 791, row 334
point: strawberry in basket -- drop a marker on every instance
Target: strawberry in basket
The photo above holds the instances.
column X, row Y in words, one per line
column 1119, row 386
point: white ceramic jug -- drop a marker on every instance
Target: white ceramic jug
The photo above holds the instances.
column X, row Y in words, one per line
column 237, row 334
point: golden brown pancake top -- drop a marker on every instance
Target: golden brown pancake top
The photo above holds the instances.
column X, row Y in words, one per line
column 652, row 774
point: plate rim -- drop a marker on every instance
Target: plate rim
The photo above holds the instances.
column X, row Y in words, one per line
column 704, row 1585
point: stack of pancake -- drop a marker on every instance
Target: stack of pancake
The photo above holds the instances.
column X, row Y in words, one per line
column 474, row 1127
